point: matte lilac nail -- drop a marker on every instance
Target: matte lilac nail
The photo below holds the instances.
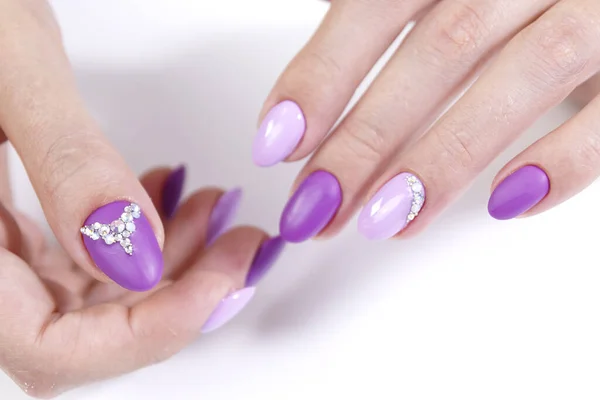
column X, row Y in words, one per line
column 519, row 192
column 172, row 190
column 223, row 214
column 264, row 259
column 121, row 242
column 280, row 132
column 228, row 308
column 311, row 207
column 389, row 211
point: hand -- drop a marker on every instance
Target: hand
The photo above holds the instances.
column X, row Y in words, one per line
column 61, row 328
column 532, row 55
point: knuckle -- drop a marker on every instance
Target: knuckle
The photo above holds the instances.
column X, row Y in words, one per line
column 561, row 49
column 457, row 147
column 589, row 153
column 363, row 141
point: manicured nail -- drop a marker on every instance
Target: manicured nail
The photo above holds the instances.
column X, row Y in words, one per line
column 172, row 190
column 228, row 308
column 280, row 132
column 264, row 259
column 392, row 208
column 122, row 243
column 223, row 214
column 311, row 207
column 519, row 192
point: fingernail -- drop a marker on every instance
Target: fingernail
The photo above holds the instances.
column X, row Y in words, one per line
column 223, row 214
column 392, row 208
column 279, row 133
column 172, row 190
column 519, row 192
column 122, row 243
column 228, row 308
column 311, row 207
column 265, row 257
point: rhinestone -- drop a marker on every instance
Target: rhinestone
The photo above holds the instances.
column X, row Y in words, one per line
column 104, row 230
column 126, row 234
column 94, row 235
column 418, row 198
column 412, row 179
column 96, row 226
column 125, row 243
column 109, row 239
column 411, row 216
column 128, row 249
column 127, row 209
column 118, row 237
column 135, row 210
column 130, row 226
column 117, row 226
column 417, row 187
column 126, row 217
column 415, row 208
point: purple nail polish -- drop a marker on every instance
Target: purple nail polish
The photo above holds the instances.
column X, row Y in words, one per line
column 172, row 190
column 228, row 308
column 389, row 211
column 519, row 192
column 280, row 132
column 311, row 207
column 223, row 214
column 122, row 243
column 264, row 259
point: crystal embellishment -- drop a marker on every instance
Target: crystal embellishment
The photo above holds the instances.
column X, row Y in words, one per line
column 418, row 192
column 117, row 231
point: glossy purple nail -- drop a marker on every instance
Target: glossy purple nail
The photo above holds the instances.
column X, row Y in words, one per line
column 311, row 207
column 265, row 257
column 172, row 190
column 519, row 192
column 280, row 132
column 228, row 308
column 223, row 214
column 121, row 242
column 389, row 211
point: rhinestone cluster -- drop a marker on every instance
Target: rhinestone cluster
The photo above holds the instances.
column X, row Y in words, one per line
column 418, row 196
column 117, row 231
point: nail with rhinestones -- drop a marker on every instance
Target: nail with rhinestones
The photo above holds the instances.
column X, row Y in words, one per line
column 265, row 257
column 223, row 214
column 228, row 308
column 172, row 190
column 121, row 242
column 280, row 132
column 392, row 208
column 311, row 207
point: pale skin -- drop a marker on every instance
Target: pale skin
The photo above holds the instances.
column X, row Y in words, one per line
column 63, row 324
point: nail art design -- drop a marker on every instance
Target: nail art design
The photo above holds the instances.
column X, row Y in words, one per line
column 311, row 207
column 392, row 208
column 280, row 132
column 223, row 214
column 118, row 231
column 265, row 257
column 228, row 308
column 122, row 243
column 519, row 192
column 172, row 190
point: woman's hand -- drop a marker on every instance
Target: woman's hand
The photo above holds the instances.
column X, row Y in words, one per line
column 62, row 328
column 385, row 153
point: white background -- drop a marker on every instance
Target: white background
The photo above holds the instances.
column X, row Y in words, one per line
column 472, row 309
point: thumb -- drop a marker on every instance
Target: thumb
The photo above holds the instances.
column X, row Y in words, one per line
column 94, row 203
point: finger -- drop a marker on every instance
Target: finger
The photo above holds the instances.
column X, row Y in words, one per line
column 312, row 92
column 536, row 71
column 552, row 170
column 78, row 176
column 587, row 91
column 439, row 56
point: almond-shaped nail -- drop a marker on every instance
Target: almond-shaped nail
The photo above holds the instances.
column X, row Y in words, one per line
column 519, row 192
column 265, row 257
column 172, row 190
column 311, row 207
column 228, row 308
column 121, row 242
column 392, row 208
column 280, row 132
column 223, row 214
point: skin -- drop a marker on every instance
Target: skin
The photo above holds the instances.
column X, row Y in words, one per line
column 528, row 56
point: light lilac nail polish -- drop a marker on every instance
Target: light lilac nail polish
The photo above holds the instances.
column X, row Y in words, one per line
column 223, row 214
column 121, row 242
column 172, row 190
column 311, row 207
column 265, row 257
column 396, row 204
column 519, row 192
column 280, row 132
column 228, row 308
